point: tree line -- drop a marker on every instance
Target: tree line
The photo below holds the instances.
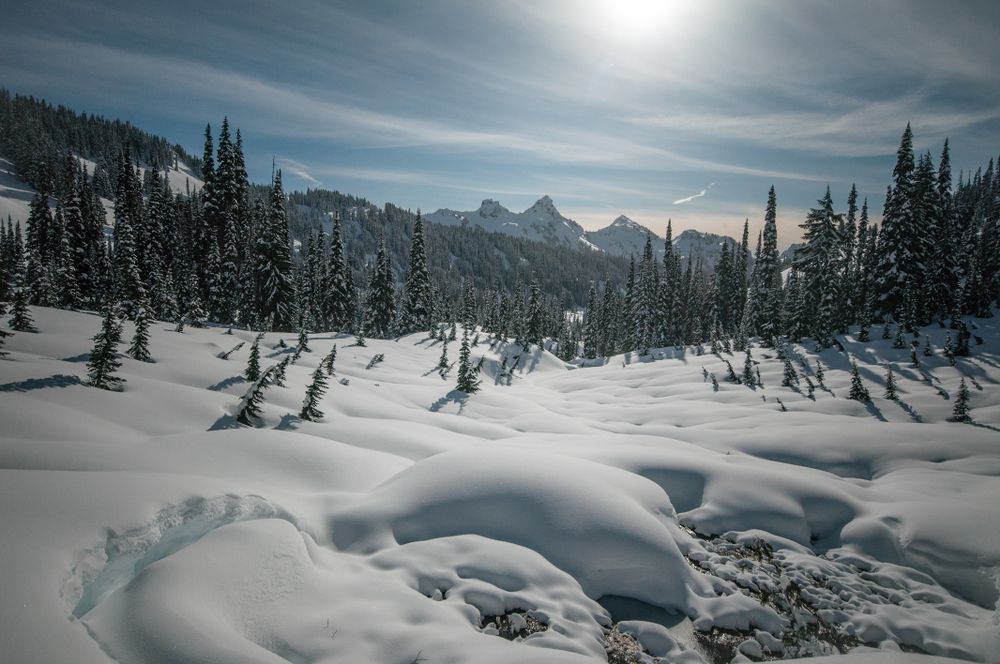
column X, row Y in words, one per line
column 225, row 253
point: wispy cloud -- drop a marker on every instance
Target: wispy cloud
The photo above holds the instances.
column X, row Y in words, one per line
column 298, row 169
column 285, row 111
column 848, row 128
column 700, row 194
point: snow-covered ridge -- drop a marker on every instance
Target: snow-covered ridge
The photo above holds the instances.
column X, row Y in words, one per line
column 543, row 222
column 392, row 528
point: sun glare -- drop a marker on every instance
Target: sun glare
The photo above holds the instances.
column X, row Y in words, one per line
column 637, row 18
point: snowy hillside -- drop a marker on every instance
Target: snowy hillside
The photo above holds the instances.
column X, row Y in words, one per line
column 572, row 510
column 180, row 177
column 541, row 222
column 16, row 195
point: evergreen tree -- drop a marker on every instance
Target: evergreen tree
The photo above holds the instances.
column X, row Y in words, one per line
column 339, row 293
column 819, row 261
column 276, row 292
column 317, row 388
column 858, row 390
column 645, row 300
column 380, row 306
column 443, row 365
column 127, row 279
column 960, row 411
column 819, row 373
column 280, row 369
column 36, row 250
column 567, row 346
column 20, row 316
column 534, row 333
column 329, row 359
column 139, row 348
column 790, row 376
column 890, row 384
column 229, row 301
column 591, row 325
column 3, row 339
column 104, row 362
column 898, row 262
column 768, row 274
column 469, row 306
column 731, row 373
column 252, row 372
column 417, row 293
column 467, row 381
column 748, row 377
column 847, row 231
column 249, row 408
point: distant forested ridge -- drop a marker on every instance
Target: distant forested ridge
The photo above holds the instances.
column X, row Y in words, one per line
column 35, row 135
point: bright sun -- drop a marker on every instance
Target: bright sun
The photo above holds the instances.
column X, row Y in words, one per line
column 634, row 18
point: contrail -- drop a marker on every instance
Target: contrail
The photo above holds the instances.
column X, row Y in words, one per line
column 701, row 193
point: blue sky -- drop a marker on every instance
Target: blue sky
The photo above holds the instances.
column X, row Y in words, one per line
column 610, row 106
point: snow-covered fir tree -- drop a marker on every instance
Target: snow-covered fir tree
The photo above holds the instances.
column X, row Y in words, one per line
column 329, row 359
column 467, row 380
column 249, row 407
column 252, row 372
column 139, row 348
column 417, row 302
column 890, row 384
column 380, row 304
column 104, row 363
column 960, row 411
column 858, row 391
column 317, row 388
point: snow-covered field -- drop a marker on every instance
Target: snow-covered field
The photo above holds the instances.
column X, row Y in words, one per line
column 145, row 526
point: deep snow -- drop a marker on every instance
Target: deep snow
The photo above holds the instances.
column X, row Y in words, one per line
column 145, row 526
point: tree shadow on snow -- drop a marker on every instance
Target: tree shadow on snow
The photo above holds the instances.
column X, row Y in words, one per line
column 875, row 412
column 455, row 396
column 227, row 421
column 58, row 380
column 909, row 410
column 82, row 357
column 289, row 422
column 984, row 426
column 227, row 382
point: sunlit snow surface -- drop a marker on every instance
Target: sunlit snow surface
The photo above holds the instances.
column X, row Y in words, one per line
column 143, row 527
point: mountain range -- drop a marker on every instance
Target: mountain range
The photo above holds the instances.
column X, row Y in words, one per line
column 542, row 222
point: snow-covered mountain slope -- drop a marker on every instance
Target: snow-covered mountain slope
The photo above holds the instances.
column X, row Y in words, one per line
column 541, row 222
column 624, row 237
column 144, row 526
column 692, row 245
column 16, row 195
column 788, row 255
column 180, row 176
column 544, row 223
